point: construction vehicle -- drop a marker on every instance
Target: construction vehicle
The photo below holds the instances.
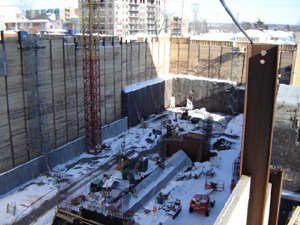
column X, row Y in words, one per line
column 202, row 204
column 96, row 185
column 185, row 114
column 171, row 130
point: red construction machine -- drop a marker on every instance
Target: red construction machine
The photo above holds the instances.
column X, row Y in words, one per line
column 200, row 202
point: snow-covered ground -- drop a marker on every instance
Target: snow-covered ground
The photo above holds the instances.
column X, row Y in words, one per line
column 31, row 195
column 186, row 189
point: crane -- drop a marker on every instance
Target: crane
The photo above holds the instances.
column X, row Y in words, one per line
column 91, row 74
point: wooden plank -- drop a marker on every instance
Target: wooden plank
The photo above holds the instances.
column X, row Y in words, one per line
column 135, row 61
column 6, row 157
column 215, row 54
column 193, row 60
column 124, row 65
column 142, row 59
column 225, row 72
column 154, row 66
column 129, row 65
column 173, row 58
column 204, row 61
column 20, row 156
column 183, row 58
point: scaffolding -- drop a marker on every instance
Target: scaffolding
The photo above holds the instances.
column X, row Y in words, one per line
column 32, row 51
column 204, row 149
column 237, row 67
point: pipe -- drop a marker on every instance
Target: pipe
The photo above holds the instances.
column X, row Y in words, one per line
column 289, row 195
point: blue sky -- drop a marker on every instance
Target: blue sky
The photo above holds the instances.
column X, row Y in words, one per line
column 268, row 11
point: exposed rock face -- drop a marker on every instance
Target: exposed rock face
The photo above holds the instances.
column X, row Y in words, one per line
column 214, row 95
column 286, row 146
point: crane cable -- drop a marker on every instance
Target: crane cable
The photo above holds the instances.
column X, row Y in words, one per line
column 235, row 21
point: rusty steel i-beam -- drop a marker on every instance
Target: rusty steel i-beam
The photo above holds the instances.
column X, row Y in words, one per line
column 260, row 99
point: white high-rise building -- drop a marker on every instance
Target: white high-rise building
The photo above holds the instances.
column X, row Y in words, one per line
column 129, row 17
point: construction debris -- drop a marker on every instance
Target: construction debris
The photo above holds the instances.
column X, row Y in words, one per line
column 222, row 144
column 172, row 209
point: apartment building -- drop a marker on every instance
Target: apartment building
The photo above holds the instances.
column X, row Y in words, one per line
column 128, row 17
column 176, row 26
column 64, row 14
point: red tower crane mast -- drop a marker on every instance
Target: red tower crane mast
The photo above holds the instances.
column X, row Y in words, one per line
column 91, row 74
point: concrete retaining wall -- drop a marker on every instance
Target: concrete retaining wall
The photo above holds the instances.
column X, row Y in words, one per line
column 20, row 175
column 115, row 128
column 30, row 170
column 214, row 95
column 286, row 145
column 142, row 100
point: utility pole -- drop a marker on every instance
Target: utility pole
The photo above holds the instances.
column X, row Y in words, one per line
column 195, row 8
column 182, row 18
column 237, row 18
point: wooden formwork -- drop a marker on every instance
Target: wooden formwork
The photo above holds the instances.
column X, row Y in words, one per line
column 61, row 105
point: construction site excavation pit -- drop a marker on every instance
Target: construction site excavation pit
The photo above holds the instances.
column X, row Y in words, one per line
column 135, row 172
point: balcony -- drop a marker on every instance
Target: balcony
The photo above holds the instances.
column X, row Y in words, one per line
column 151, row 9
column 134, row 28
column 134, row 22
column 134, row 15
column 133, row 2
column 135, row 9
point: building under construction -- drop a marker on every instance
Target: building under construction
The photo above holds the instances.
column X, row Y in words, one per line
column 58, row 92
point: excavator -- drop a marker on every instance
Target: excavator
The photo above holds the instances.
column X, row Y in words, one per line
column 171, row 130
column 184, row 115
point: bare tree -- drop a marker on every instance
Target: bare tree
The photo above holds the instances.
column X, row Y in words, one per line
column 246, row 25
column 160, row 21
column 24, row 5
column 201, row 27
column 259, row 24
